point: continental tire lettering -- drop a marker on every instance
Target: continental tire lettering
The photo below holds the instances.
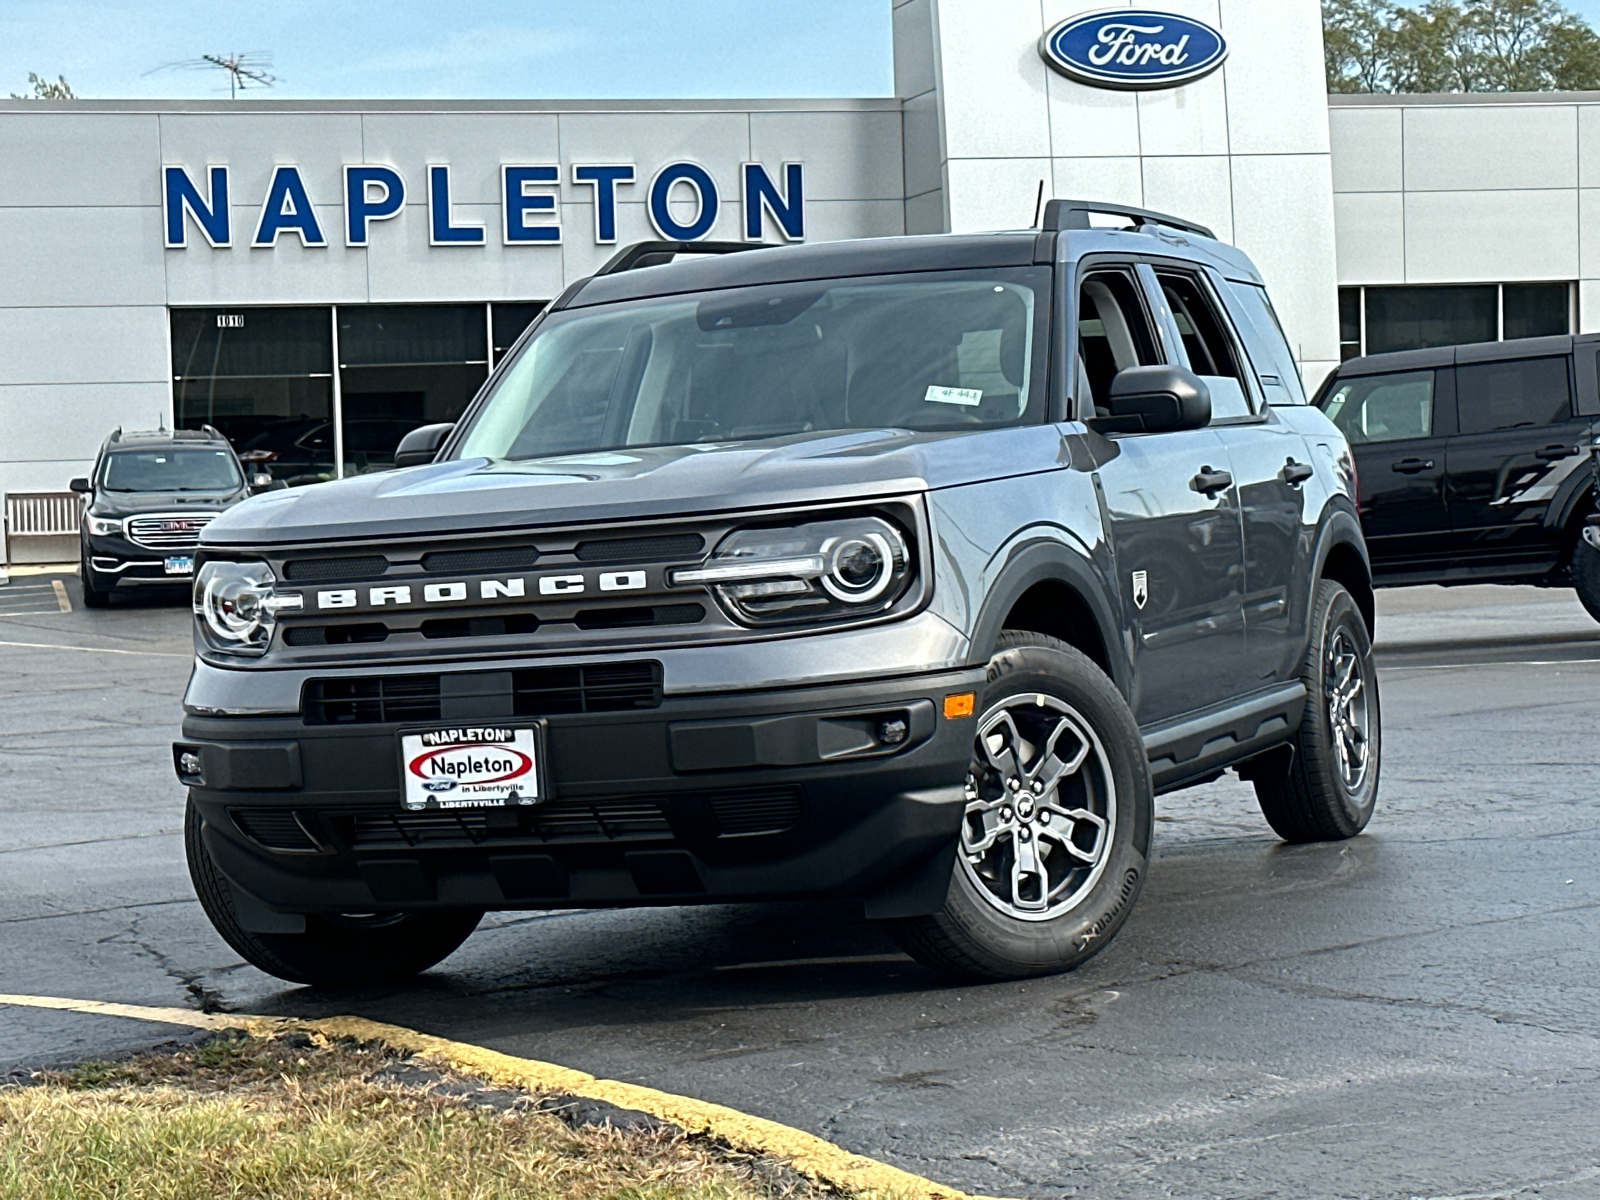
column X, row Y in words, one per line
column 1130, row 884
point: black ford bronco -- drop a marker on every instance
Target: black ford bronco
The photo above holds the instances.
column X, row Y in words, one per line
column 906, row 571
column 1475, row 463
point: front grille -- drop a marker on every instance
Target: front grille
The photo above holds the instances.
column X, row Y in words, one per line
column 458, row 627
column 594, row 688
column 169, row 532
column 756, row 810
column 605, row 820
column 633, row 618
column 641, row 549
column 274, row 828
column 506, row 558
column 535, row 692
column 384, row 699
column 368, row 566
column 335, row 635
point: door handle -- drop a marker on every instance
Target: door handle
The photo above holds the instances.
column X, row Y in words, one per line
column 1554, row 453
column 1296, row 473
column 1410, row 466
column 1209, row 482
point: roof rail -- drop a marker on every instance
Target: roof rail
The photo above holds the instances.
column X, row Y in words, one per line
column 655, row 254
column 1074, row 214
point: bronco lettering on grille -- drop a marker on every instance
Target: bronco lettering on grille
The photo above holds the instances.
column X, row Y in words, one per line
column 505, row 588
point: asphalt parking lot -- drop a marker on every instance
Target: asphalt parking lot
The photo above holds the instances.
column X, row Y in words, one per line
column 1412, row 1013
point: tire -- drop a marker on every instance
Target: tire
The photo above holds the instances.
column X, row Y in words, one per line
column 999, row 920
column 1586, row 575
column 93, row 597
column 342, row 951
column 1323, row 786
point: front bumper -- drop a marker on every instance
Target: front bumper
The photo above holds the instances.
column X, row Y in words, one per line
column 115, row 561
column 753, row 795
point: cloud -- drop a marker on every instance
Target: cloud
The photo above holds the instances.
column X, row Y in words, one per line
column 483, row 46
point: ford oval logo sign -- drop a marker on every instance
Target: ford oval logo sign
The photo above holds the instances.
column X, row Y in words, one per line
column 1133, row 49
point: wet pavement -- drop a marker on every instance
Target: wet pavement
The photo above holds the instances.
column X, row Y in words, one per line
column 1412, row 1013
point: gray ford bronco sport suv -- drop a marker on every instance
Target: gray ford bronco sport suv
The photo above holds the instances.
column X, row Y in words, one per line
column 905, row 570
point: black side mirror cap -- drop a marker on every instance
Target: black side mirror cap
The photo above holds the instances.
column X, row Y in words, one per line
column 1157, row 400
column 81, row 486
column 419, row 447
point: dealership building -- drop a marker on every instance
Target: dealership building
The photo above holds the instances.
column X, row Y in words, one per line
column 312, row 278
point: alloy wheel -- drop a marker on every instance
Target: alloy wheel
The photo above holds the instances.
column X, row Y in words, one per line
column 1041, row 808
column 1348, row 712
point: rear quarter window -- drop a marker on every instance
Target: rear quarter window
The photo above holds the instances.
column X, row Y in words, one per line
column 1264, row 339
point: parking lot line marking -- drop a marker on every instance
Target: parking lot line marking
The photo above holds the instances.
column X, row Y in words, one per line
column 61, row 595
column 28, row 612
column 1510, row 662
column 92, row 649
column 806, row 1152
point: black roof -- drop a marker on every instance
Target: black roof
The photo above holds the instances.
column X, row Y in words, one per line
column 817, row 260
column 1448, row 356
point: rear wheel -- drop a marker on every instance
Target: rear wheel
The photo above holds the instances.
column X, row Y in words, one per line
column 334, row 951
column 1056, row 833
column 1323, row 785
column 93, row 597
column 1586, row 575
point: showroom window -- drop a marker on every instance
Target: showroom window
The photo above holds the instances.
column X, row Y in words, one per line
column 264, row 377
column 1379, row 320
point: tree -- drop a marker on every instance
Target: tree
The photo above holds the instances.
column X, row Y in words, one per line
column 1446, row 46
column 43, row 89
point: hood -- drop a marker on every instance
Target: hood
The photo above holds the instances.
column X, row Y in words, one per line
column 634, row 484
column 131, row 504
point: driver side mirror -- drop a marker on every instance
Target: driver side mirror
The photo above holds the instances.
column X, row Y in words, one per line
column 1156, row 400
column 80, row 485
column 420, row 446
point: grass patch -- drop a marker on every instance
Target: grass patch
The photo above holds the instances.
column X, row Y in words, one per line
column 238, row 1117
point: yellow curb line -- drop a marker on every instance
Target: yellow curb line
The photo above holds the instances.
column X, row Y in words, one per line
column 807, row 1153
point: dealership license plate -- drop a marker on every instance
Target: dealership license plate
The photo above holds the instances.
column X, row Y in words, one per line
column 471, row 766
column 180, row 564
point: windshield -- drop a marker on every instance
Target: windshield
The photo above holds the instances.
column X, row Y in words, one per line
column 170, row 470
column 938, row 351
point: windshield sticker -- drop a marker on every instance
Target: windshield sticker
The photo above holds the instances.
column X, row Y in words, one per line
column 969, row 397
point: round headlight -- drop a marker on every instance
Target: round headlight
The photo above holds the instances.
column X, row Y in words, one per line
column 859, row 568
column 236, row 606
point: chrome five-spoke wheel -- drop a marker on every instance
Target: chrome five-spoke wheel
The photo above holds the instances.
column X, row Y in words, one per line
column 1041, row 808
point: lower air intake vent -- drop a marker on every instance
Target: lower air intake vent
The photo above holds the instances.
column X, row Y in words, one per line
column 376, row 701
column 758, row 810
column 274, row 828
column 605, row 820
column 596, row 687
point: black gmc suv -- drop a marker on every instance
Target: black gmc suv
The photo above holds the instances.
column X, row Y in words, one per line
column 905, row 570
column 149, row 496
column 1476, row 462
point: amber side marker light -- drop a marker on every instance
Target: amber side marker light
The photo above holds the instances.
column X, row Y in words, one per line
column 960, row 704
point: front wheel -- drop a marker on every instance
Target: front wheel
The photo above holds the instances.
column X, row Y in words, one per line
column 1056, row 834
column 1586, row 574
column 334, row 951
column 1323, row 786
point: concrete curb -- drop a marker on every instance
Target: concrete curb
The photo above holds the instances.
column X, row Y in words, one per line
column 811, row 1155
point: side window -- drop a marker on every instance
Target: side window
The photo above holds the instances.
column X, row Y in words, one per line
column 1263, row 333
column 1511, row 395
column 1382, row 408
column 1206, row 343
column 1113, row 333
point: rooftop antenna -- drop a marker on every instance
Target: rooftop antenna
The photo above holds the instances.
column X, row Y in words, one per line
column 248, row 69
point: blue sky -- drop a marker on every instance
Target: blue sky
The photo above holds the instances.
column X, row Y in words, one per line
column 466, row 48
column 458, row 48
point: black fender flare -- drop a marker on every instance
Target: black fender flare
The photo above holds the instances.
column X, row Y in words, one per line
column 1341, row 527
column 1574, row 500
column 1044, row 560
